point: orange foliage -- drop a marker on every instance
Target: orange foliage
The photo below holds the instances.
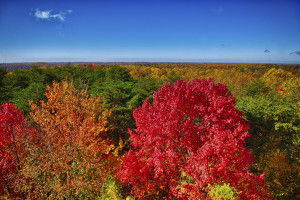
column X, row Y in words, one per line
column 74, row 157
column 280, row 172
column 71, row 116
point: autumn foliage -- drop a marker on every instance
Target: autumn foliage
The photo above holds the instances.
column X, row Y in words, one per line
column 14, row 137
column 188, row 140
column 74, row 157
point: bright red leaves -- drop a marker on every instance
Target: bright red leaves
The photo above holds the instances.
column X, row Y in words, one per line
column 14, row 133
column 190, row 138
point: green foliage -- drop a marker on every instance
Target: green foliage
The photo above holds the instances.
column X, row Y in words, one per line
column 143, row 89
column 2, row 75
column 116, row 90
column 117, row 73
column 22, row 78
column 98, row 75
column 256, row 87
column 34, row 92
column 121, row 93
column 275, row 127
column 173, row 77
column 120, row 121
column 2, row 89
column 222, row 192
column 114, row 94
column 20, row 83
column 271, row 114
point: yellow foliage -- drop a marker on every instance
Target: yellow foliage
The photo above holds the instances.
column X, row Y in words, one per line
column 292, row 87
column 159, row 73
column 139, row 71
column 234, row 79
column 274, row 78
column 222, row 192
column 162, row 73
column 111, row 191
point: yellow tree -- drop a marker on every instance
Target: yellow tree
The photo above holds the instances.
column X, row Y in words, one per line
column 292, row 87
column 274, row 78
column 74, row 157
column 234, row 79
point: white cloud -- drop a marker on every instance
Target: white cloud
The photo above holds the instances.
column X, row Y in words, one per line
column 48, row 14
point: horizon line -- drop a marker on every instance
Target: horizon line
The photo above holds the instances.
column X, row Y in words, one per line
column 191, row 62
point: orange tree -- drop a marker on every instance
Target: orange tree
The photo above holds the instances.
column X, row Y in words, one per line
column 73, row 158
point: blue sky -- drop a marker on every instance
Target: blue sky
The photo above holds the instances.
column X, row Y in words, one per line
column 265, row 31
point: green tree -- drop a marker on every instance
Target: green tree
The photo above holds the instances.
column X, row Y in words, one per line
column 117, row 73
column 116, row 89
column 34, row 92
column 2, row 88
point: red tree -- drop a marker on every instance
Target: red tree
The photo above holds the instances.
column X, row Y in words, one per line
column 189, row 139
column 14, row 133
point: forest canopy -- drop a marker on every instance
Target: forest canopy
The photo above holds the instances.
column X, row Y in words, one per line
column 150, row 131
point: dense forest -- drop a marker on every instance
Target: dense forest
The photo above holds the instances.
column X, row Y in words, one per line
column 150, row 131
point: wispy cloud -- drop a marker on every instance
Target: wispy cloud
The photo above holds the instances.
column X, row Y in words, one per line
column 295, row 52
column 49, row 14
column 267, row 51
